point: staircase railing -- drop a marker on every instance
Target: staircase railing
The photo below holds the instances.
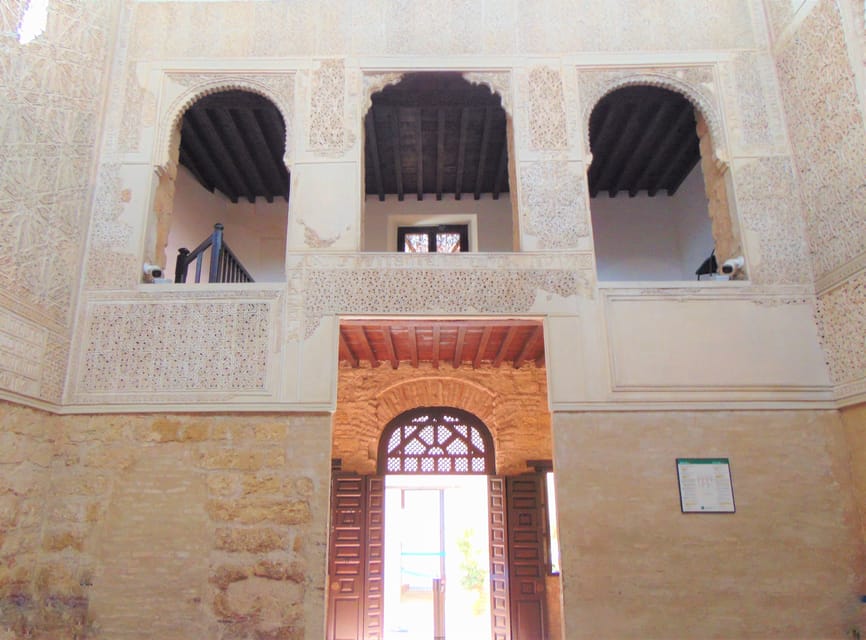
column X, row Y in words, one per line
column 224, row 264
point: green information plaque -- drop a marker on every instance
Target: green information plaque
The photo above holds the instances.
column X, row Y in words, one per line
column 705, row 485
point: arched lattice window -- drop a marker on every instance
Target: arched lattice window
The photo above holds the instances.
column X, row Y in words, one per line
column 436, row 440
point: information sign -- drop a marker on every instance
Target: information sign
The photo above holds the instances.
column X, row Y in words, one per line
column 705, row 485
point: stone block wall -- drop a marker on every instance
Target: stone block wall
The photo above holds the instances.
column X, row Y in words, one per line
column 174, row 526
column 787, row 564
column 511, row 402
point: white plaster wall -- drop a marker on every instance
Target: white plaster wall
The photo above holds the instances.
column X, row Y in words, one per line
column 255, row 232
column 659, row 238
column 493, row 216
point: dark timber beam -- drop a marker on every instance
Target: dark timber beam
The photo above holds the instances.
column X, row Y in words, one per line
column 197, row 149
column 389, row 347
column 245, row 154
column 229, row 155
column 367, row 347
column 482, row 158
column 528, row 347
column 461, row 152
column 501, row 170
column 458, row 348
column 436, row 333
column 419, row 150
column 503, row 349
column 398, row 159
column 274, row 132
column 413, row 347
column 259, row 146
column 616, row 157
column 440, row 151
column 686, row 170
column 689, row 145
column 482, row 346
column 373, row 145
column 203, row 132
column 187, row 160
column 605, row 130
column 347, row 352
column 652, row 167
column 649, row 136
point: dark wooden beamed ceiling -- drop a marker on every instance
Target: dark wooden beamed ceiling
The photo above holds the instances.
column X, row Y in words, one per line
column 642, row 139
column 442, row 342
column 436, row 133
column 233, row 142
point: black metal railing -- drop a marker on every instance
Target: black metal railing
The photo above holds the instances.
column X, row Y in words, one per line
column 224, row 264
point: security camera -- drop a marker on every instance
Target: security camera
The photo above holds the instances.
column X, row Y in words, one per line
column 152, row 270
column 733, row 265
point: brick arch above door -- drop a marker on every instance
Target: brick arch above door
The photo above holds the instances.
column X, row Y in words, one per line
column 512, row 403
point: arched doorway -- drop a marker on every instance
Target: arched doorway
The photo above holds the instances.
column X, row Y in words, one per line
column 437, row 545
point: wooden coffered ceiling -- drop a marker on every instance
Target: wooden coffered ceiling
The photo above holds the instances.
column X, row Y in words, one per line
column 442, row 342
column 435, row 133
column 233, row 142
column 642, row 139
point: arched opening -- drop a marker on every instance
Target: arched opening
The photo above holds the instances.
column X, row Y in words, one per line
column 437, row 176
column 658, row 198
column 227, row 169
column 461, row 399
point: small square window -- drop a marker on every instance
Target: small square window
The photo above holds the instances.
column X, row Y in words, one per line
column 446, row 238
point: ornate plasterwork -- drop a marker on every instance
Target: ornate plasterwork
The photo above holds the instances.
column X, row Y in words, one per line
column 22, row 354
column 696, row 83
column 163, row 347
column 842, row 327
column 771, row 211
column 546, row 110
column 139, row 111
column 327, row 122
column 499, row 83
column 49, row 124
column 754, row 112
column 828, row 137
column 279, row 88
column 398, row 284
column 554, row 205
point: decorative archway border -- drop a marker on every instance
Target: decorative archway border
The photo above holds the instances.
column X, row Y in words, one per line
column 279, row 88
column 697, row 84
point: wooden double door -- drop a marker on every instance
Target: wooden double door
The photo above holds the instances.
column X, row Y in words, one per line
column 517, row 526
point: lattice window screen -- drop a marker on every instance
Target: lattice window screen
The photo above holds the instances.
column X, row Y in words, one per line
column 439, row 440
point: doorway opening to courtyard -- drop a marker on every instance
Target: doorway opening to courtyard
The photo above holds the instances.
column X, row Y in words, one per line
column 440, row 519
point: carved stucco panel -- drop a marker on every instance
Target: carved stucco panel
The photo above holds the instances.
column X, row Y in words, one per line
column 554, row 205
column 842, row 326
column 22, row 354
column 695, row 83
column 828, row 137
column 139, row 112
column 754, row 113
column 328, row 131
column 383, row 284
column 771, row 212
column 166, row 347
column 546, row 110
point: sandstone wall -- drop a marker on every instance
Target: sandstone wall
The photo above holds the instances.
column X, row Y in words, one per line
column 854, row 419
column 512, row 403
column 787, row 564
column 176, row 526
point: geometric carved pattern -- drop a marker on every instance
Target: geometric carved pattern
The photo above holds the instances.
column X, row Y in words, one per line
column 546, row 110
column 842, row 326
column 358, row 287
column 22, row 350
column 754, row 116
column 828, row 138
column 160, row 347
column 554, row 202
column 436, row 440
column 327, row 107
column 769, row 205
